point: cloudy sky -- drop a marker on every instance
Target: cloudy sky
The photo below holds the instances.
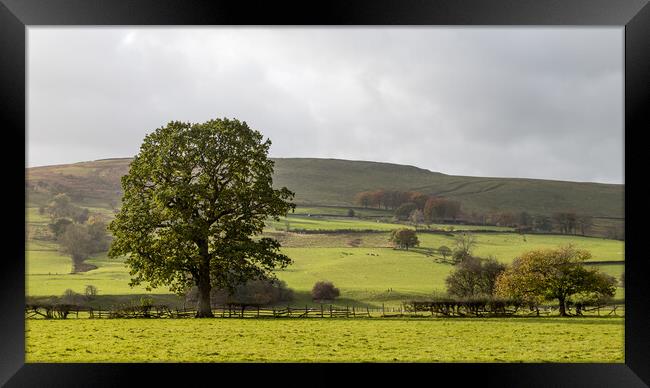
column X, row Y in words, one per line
column 507, row 102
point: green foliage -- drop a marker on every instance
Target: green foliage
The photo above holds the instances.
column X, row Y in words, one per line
column 81, row 241
column 474, row 277
column 194, row 197
column 58, row 227
column 404, row 238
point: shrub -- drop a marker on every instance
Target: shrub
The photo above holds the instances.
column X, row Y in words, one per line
column 254, row 292
column 351, row 213
column 324, row 290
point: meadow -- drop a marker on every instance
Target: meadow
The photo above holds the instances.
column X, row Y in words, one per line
column 327, row 340
column 352, row 252
column 364, row 272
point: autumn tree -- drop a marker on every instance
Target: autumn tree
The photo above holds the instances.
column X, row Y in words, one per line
column 553, row 274
column 404, row 238
column 195, row 198
column 363, row 198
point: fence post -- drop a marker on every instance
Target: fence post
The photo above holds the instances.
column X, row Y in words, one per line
column 330, row 311
column 353, row 312
column 347, row 311
column 321, row 310
column 383, row 313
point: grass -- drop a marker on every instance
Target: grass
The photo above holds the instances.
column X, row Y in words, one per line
column 361, row 265
column 48, row 273
column 327, row 340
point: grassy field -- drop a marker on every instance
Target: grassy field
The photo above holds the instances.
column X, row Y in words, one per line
column 327, row 340
column 364, row 274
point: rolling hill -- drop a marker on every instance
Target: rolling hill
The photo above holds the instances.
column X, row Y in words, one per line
column 334, row 182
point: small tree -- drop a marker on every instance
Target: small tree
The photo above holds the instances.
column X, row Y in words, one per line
column 350, row 213
column 90, row 292
column 324, row 290
column 474, row 277
column 549, row 274
column 416, row 217
column 464, row 243
column 444, row 251
column 404, row 238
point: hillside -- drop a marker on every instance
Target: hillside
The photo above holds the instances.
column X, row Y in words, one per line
column 334, row 182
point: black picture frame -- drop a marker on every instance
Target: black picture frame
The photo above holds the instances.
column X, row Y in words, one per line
column 633, row 15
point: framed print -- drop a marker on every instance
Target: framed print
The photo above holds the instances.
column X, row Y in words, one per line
column 387, row 190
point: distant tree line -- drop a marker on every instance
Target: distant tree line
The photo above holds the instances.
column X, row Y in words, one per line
column 411, row 205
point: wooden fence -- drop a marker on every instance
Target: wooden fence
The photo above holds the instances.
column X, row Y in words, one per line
column 237, row 311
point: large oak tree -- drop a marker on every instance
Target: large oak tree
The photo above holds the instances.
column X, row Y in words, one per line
column 196, row 197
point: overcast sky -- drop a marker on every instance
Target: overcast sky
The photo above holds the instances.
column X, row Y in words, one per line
column 507, row 102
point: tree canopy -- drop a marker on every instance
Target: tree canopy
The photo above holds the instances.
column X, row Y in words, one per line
column 404, row 238
column 80, row 241
column 195, row 197
column 548, row 274
column 474, row 277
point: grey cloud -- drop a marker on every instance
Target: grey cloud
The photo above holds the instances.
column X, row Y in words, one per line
column 526, row 102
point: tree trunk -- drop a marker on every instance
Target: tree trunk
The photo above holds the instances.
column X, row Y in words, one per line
column 77, row 262
column 204, row 309
column 562, row 307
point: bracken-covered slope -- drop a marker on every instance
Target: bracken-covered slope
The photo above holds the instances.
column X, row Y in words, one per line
column 335, row 182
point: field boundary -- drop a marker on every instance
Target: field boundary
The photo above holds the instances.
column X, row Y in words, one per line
column 64, row 311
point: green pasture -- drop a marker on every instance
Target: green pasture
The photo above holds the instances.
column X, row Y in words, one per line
column 326, row 340
column 360, row 264
column 48, row 273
